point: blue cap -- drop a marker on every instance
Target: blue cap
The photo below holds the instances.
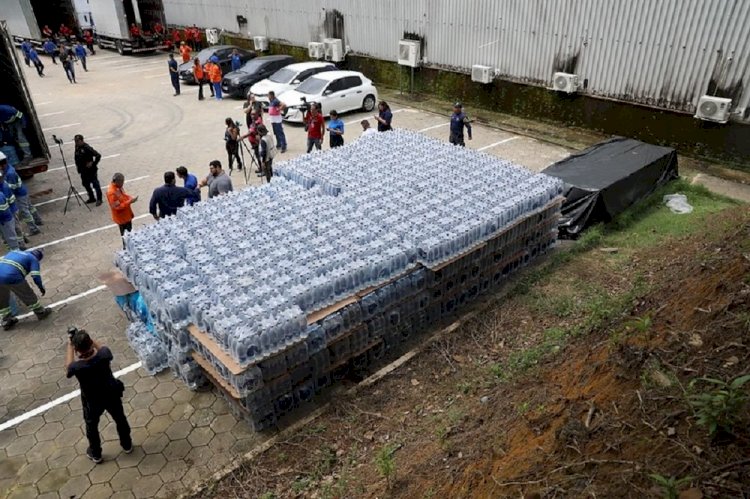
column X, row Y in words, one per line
column 214, row 59
column 38, row 254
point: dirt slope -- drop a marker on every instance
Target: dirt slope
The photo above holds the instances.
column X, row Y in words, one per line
column 605, row 408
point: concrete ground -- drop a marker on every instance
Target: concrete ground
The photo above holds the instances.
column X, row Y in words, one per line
column 125, row 108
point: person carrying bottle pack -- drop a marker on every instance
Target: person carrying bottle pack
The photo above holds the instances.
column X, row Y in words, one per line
column 14, row 267
column 28, row 213
column 459, row 120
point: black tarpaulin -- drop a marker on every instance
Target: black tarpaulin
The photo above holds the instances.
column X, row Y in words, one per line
column 607, row 178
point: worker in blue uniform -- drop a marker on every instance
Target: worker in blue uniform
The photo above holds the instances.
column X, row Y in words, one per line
column 28, row 213
column 14, row 267
column 14, row 122
column 459, row 120
column 7, row 215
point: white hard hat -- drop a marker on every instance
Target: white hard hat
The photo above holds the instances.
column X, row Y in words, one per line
column 3, row 156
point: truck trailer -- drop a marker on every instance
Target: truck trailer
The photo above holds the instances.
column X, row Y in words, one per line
column 16, row 94
column 113, row 19
column 27, row 18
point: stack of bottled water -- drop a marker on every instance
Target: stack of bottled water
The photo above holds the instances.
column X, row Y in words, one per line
column 149, row 348
column 371, row 223
column 440, row 200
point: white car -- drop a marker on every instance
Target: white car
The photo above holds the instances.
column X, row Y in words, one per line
column 340, row 90
column 288, row 78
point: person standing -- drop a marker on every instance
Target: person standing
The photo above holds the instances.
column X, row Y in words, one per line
column 459, row 120
column 68, row 61
column 267, row 152
column 199, row 76
column 207, row 78
column 253, row 122
column 214, row 74
column 88, row 38
column 174, row 75
column 218, row 181
column 87, row 164
column 120, row 205
column 135, row 31
column 15, row 122
column 315, row 126
column 80, row 52
column 190, row 182
column 34, row 57
column 232, row 141
column 384, row 117
column 14, row 267
column 335, row 130
column 185, row 51
column 28, row 213
column 275, row 110
column 100, row 391
column 250, row 105
column 236, row 60
column 197, row 39
column 7, row 217
column 51, row 49
column 175, row 39
column 166, row 199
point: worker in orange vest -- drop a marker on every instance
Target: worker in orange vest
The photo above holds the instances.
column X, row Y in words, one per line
column 119, row 205
column 214, row 74
column 185, row 51
column 200, row 78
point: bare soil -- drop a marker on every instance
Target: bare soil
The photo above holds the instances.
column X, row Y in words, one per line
column 486, row 412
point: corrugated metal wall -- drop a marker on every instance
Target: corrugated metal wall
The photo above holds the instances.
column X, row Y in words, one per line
column 662, row 53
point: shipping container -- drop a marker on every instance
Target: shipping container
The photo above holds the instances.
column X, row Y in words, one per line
column 16, row 94
column 27, row 18
column 112, row 20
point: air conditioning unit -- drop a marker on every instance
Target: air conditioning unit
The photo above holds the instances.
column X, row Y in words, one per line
column 261, row 43
column 334, row 49
column 481, row 74
column 212, row 36
column 409, row 52
column 565, row 82
column 316, row 50
column 714, row 109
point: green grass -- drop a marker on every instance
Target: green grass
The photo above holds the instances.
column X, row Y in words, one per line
column 650, row 222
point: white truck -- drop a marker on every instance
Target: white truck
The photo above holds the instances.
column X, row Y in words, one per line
column 112, row 20
column 26, row 19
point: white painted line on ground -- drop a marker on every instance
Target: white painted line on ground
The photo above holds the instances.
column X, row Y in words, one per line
column 50, row 201
column 68, row 299
column 433, row 127
column 50, row 114
column 81, row 234
column 141, row 64
column 58, row 127
column 72, row 165
column 497, row 144
column 60, row 400
column 43, row 103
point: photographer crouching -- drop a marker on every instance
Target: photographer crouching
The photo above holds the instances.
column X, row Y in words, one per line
column 100, row 391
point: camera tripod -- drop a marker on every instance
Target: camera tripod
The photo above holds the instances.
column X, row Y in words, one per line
column 253, row 161
column 72, row 192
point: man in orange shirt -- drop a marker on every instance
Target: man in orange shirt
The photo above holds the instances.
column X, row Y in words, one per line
column 119, row 205
column 185, row 51
column 214, row 74
column 199, row 76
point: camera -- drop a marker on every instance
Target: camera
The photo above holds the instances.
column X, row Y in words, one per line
column 72, row 330
column 305, row 106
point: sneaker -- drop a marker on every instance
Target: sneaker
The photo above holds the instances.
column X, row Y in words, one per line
column 98, row 202
column 44, row 312
column 128, row 450
column 94, row 458
column 9, row 322
column 35, row 232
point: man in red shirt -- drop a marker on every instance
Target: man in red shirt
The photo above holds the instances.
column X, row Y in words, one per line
column 315, row 125
column 89, row 39
column 197, row 40
column 135, row 31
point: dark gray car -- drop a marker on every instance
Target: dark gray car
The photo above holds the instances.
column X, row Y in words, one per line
column 237, row 83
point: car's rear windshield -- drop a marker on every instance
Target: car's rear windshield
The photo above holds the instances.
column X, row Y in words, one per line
column 252, row 66
column 283, row 75
column 204, row 54
column 312, row 86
